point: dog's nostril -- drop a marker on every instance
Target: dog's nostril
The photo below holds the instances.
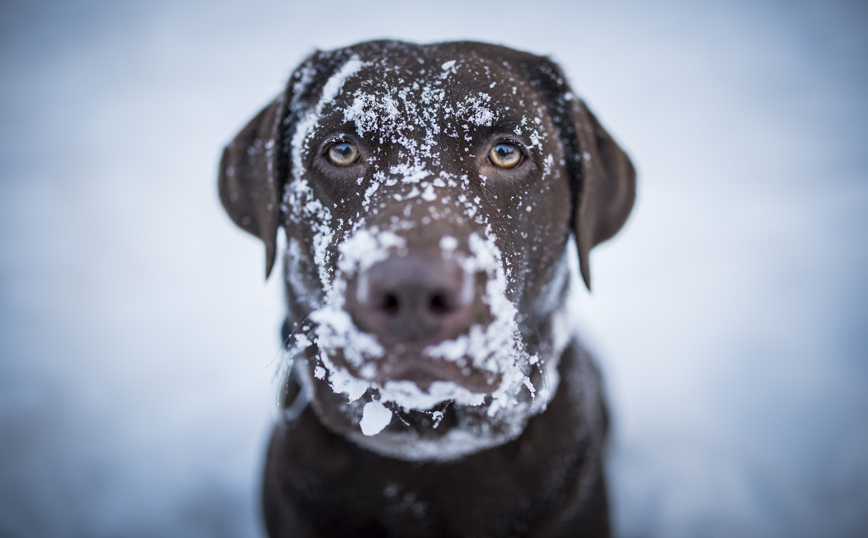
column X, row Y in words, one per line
column 412, row 298
column 439, row 304
column 391, row 304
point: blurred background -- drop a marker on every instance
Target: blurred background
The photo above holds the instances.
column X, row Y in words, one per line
column 139, row 340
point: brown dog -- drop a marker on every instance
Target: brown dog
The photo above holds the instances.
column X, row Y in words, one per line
column 435, row 199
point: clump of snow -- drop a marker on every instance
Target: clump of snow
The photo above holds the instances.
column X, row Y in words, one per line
column 366, row 247
column 409, row 396
column 410, row 174
column 335, row 331
column 371, row 113
column 475, row 109
column 375, row 417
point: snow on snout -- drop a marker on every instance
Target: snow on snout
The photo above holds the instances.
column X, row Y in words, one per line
column 335, row 330
column 494, row 347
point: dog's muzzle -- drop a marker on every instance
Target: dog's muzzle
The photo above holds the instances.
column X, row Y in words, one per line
column 412, row 300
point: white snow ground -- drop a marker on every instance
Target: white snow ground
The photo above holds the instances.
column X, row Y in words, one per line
column 138, row 340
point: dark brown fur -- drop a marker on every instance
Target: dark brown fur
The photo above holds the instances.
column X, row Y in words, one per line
column 549, row 480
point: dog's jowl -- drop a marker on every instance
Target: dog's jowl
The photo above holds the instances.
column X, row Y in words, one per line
column 439, row 204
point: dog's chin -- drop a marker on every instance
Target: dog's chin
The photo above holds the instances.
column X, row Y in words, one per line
column 451, row 433
column 430, row 421
column 448, row 430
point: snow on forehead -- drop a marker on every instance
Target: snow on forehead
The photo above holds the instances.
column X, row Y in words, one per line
column 391, row 99
column 414, row 104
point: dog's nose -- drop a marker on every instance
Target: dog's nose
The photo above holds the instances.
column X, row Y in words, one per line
column 414, row 298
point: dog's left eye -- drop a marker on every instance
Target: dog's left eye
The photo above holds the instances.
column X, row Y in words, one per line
column 342, row 154
column 505, row 155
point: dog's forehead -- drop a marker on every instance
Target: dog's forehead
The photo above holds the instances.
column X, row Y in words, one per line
column 433, row 90
column 455, row 72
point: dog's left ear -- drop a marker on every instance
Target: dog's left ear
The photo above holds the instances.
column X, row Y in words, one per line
column 607, row 187
column 252, row 175
column 603, row 179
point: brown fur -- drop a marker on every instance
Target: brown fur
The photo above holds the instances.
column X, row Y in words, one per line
column 549, row 480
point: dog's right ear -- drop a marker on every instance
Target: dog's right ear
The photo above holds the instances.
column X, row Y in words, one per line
column 254, row 168
column 252, row 175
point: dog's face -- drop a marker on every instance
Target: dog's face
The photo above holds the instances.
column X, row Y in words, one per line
column 428, row 195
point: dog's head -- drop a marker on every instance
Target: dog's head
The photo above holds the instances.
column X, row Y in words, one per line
column 428, row 194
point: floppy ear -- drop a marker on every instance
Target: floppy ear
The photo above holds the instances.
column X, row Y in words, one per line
column 606, row 189
column 252, row 175
column 602, row 178
column 254, row 168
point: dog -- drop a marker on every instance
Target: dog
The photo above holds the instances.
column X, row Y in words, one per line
column 439, row 204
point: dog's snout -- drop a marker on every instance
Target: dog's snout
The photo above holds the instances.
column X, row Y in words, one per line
column 414, row 298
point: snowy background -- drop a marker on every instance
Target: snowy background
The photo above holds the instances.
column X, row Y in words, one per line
column 138, row 339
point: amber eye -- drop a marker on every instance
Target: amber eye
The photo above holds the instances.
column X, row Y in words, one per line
column 343, row 154
column 505, row 155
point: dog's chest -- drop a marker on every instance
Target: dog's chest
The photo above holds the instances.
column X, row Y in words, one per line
column 341, row 489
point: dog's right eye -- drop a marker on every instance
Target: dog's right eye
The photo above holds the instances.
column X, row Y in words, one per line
column 342, row 154
column 505, row 155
